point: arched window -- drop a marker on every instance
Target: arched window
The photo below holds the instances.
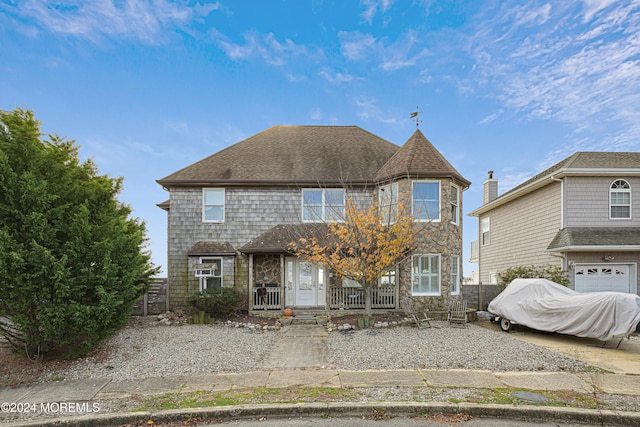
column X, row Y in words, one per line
column 620, row 200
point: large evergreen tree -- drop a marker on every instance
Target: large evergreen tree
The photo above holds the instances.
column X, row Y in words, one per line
column 72, row 261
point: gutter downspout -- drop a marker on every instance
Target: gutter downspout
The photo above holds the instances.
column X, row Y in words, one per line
column 562, row 255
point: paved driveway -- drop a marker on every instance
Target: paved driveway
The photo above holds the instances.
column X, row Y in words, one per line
column 622, row 360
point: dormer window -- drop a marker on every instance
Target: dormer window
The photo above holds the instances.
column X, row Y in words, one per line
column 620, row 200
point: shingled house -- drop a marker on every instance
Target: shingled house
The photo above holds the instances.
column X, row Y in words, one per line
column 232, row 215
column 581, row 214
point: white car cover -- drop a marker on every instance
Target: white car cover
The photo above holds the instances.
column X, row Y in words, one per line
column 547, row 306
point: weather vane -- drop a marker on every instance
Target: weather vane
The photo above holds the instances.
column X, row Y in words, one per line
column 415, row 116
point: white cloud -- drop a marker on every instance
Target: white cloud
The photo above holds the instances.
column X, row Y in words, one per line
column 572, row 63
column 369, row 110
column 355, row 45
column 371, row 7
column 265, row 46
column 491, row 117
column 336, row 77
column 145, row 20
column 406, row 51
column 316, row 114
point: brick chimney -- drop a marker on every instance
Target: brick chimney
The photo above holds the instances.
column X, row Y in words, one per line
column 490, row 189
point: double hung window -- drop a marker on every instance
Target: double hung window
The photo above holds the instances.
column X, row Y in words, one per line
column 322, row 204
column 426, row 275
column 485, row 229
column 455, row 274
column 426, row 200
column 455, row 204
column 213, row 205
column 620, row 200
column 388, row 202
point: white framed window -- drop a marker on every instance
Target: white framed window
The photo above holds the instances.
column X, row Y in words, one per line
column 322, row 204
column 426, row 275
column 209, row 271
column 620, row 200
column 388, row 201
column 455, row 274
column 485, row 229
column 426, row 200
column 388, row 278
column 213, row 204
column 455, row 205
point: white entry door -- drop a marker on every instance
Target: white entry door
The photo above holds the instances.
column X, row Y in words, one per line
column 306, row 284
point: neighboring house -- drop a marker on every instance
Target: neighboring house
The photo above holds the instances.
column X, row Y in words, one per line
column 232, row 215
column 582, row 214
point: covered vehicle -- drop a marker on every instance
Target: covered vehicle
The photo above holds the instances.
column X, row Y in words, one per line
column 547, row 306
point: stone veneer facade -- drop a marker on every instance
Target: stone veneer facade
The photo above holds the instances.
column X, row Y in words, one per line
column 441, row 237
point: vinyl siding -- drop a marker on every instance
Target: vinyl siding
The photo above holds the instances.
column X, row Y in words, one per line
column 521, row 231
column 587, row 202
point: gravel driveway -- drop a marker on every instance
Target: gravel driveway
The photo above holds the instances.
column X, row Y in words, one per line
column 146, row 349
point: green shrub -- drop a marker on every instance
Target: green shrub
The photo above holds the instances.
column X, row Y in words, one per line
column 72, row 259
column 218, row 302
column 549, row 272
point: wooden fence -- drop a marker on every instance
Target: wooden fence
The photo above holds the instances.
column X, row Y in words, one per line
column 154, row 301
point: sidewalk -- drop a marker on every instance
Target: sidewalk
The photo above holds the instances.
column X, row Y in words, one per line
column 305, row 366
column 92, row 390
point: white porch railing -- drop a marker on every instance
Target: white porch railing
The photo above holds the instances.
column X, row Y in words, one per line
column 267, row 298
column 352, row 297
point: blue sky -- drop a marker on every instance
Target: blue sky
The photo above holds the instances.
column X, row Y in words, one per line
column 147, row 87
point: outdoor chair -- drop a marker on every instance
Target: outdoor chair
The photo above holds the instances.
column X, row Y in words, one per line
column 457, row 313
column 419, row 318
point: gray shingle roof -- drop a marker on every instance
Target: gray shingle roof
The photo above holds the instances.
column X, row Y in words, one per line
column 588, row 160
column 575, row 237
column 292, row 155
column 581, row 163
column 418, row 158
column 278, row 238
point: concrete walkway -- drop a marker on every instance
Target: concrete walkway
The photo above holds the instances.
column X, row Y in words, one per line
column 300, row 346
column 300, row 360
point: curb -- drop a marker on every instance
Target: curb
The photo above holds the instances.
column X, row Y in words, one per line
column 350, row 409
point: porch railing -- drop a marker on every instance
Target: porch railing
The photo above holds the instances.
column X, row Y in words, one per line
column 267, row 298
column 347, row 297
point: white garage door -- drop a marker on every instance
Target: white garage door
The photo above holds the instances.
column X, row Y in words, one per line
column 603, row 277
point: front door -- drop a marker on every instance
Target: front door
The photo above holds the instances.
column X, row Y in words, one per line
column 306, row 284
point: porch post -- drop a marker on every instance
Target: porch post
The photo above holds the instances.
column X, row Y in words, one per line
column 282, row 281
column 250, row 282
